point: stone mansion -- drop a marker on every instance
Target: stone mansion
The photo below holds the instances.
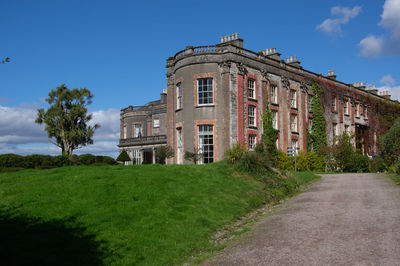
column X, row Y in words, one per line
column 216, row 96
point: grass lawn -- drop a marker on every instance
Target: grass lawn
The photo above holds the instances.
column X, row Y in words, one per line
column 149, row 214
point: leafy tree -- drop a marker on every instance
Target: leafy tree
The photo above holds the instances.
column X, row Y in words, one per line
column 163, row 153
column 269, row 135
column 194, row 156
column 123, row 157
column 67, row 120
column 389, row 148
column 318, row 135
column 5, row 60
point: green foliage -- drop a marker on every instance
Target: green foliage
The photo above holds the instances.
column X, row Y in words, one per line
column 66, row 119
column 389, row 148
column 123, row 157
column 318, row 135
column 192, row 156
column 234, row 154
column 162, row 153
column 87, row 159
column 11, row 160
column 269, row 134
column 342, row 156
column 315, row 162
column 377, row 165
column 302, row 162
column 284, row 162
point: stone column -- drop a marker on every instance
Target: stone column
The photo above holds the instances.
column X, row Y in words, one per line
column 154, row 155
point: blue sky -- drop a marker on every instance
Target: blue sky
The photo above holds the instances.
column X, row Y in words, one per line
column 117, row 49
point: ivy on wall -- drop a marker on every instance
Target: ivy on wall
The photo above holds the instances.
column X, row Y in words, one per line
column 269, row 133
column 317, row 138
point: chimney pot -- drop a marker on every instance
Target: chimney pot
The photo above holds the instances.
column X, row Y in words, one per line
column 222, row 39
column 329, row 72
column 287, row 59
column 362, row 83
column 332, row 72
column 274, row 50
column 295, row 58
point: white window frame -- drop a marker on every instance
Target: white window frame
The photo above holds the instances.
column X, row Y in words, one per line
column 137, row 154
column 346, row 107
column 293, row 123
column 274, row 94
column 252, row 115
column 252, row 141
column 179, row 146
column 206, row 91
column 137, row 133
column 293, row 98
column 251, row 88
column 156, row 123
column 205, row 134
column 310, row 99
column 274, row 115
column 179, row 96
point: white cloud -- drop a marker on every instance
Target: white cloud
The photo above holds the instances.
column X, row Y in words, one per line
column 20, row 134
column 388, row 80
column 390, row 17
column 371, row 46
column 342, row 16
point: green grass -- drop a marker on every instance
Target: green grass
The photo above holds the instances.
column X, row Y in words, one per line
column 149, row 214
column 395, row 178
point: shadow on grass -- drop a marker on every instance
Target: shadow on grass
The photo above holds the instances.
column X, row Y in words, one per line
column 28, row 241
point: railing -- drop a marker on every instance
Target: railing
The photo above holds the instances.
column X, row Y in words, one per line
column 158, row 139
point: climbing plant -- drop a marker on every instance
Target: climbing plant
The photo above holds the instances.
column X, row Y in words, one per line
column 269, row 133
column 317, row 138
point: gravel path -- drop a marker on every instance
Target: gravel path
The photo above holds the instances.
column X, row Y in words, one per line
column 347, row 219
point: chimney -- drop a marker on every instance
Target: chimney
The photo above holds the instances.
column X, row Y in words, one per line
column 331, row 75
column 231, row 39
column 163, row 96
column 293, row 62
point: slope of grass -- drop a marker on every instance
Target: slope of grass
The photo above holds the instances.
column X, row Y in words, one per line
column 149, row 214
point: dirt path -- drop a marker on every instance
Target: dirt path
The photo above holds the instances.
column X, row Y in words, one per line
column 349, row 219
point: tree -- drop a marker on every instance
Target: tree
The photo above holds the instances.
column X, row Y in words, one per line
column 67, row 120
column 269, row 135
column 163, row 153
column 5, row 60
column 389, row 148
column 123, row 157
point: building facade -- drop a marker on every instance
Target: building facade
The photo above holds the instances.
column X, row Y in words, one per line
column 217, row 94
column 143, row 130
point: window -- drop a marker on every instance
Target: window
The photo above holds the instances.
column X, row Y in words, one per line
column 137, row 131
column 252, row 142
column 274, row 94
column 205, row 91
column 293, row 123
column 274, row 115
column 310, row 125
column 335, row 129
column 334, row 104
column 346, row 129
column 179, row 145
column 293, row 100
column 294, row 145
column 310, row 98
column 206, row 144
column 346, row 107
column 179, row 96
column 252, row 115
column 251, row 88
column 357, row 110
column 124, row 133
column 137, row 155
column 156, row 123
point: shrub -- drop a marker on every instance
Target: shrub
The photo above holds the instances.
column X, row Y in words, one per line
column 192, row 156
column 303, row 164
column 36, row 160
column 162, row 153
column 123, row 156
column 398, row 167
column 235, row 153
column 61, row 160
column 46, row 164
column 74, row 160
column 315, row 162
column 361, row 163
column 106, row 160
column 87, row 159
column 253, row 162
column 389, row 148
column 377, row 165
column 284, row 162
column 11, row 160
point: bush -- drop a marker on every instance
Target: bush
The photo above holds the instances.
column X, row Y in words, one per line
column 361, row 163
column 162, row 153
column 87, row 159
column 315, row 162
column 11, row 160
column 36, row 161
column 377, row 165
column 61, row 160
column 235, row 153
column 46, row 164
column 123, row 156
column 303, row 164
column 398, row 167
column 106, row 160
column 389, row 148
column 192, row 156
column 284, row 162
